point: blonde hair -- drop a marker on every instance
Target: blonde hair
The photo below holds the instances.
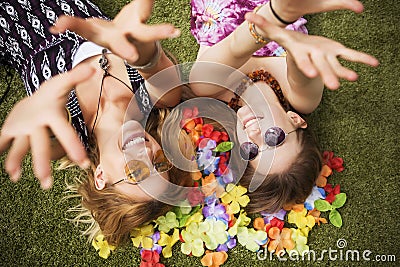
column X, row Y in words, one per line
column 110, row 212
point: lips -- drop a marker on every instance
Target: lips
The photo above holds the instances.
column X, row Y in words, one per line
column 249, row 120
column 133, row 140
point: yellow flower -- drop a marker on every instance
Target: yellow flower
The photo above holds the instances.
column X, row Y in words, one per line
column 301, row 219
column 243, row 220
column 197, row 217
column 102, row 245
column 301, row 241
column 168, row 242
column 141, row 236
column 235, row 197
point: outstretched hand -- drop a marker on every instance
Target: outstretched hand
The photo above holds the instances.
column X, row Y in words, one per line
column 291, row 10
column 315, row 55
column 27, row 127
column 121, row 34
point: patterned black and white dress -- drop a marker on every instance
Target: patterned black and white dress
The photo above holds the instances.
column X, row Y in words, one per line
column 37, row 55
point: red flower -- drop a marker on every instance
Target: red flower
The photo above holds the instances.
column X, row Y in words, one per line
column 332, row 192
column 216, row 136
column 207, row 130
column 224, row 136
column 150, row 259
column 335, row 163
column 195, row 197
column 275, row 222
column 223, row 158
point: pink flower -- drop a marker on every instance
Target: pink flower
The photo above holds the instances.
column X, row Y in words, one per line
column 195, row 197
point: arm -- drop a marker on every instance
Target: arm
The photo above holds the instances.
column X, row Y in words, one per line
column 312, row 61
column 308, row 62
column 129, row 37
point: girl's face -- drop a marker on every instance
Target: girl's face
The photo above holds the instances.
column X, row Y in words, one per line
column 262, row 110
column 130, row 142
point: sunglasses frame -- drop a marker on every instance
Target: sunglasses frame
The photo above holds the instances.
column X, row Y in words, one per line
column 129, row 181
column 268, row 146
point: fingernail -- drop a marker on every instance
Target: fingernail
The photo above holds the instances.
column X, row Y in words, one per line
column 15, row 176
column 47, row 183
column 175, row 33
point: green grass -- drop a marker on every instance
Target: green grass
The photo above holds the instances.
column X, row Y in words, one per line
column 359, row 122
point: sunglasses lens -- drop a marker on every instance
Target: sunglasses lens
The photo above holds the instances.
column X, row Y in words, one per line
column 136, row 171
column 248, row 150
column 161, row 163
column 274, row 136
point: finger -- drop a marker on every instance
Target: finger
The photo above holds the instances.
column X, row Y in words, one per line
column 305, row 64
column 258, row 20
column 150, row 33
column 360, row 57
column 69, row 140
column 18, row 150
column 125, row 49
column 63, row 83
column 88, row 28
column 5, row 143
column 341, row 71
column 40, row 147
column 353, row 5
column 325, row 71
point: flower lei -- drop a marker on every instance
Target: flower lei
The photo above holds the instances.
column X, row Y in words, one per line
column 215, row 220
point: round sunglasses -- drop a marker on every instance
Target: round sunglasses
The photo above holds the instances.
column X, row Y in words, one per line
column 137, row 171
column 273, row 137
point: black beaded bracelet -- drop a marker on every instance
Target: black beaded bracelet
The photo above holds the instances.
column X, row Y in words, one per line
column 278, row 17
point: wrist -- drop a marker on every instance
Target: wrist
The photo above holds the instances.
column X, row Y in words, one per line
column 267, row 33
column 149, row 62
column 276, row 15
column 281, row 13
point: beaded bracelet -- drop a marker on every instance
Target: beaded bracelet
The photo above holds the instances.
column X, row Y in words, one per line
column 154, row 60
column 252, row 28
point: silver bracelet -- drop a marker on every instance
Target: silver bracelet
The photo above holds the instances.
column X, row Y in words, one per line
column 154, row 60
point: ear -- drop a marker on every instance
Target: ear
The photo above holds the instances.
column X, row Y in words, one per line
column 297, row 120
column 99, row 178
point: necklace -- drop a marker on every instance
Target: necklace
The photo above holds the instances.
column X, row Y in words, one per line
column 103, row 62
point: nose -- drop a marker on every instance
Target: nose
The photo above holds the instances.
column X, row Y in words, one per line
column 255, row 135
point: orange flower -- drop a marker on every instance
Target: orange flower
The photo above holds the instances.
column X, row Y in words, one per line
column 195, row 132
column 214, row 259
column 279, row 240
column 259, row 224
column 295, row 207
column 196, row 175
column 316, row 214
column 323, row 175
column 209, row 184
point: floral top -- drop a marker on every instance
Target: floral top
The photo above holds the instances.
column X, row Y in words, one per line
column 213, row 20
